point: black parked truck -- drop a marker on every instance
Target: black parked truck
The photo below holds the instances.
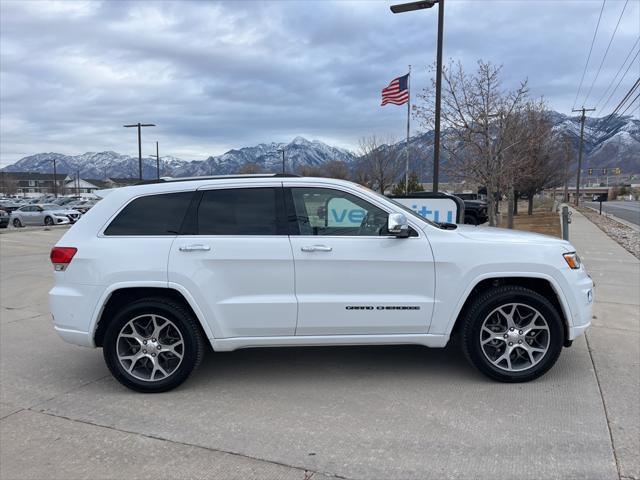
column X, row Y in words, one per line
column 475, row 209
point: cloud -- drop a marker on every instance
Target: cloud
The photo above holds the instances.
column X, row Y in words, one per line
column 214, row 76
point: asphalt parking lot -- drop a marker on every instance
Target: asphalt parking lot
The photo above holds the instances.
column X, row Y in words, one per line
column 347, row 412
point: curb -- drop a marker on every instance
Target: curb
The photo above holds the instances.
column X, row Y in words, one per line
column 632, row 226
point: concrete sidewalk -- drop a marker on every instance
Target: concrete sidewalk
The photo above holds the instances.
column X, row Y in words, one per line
column 614, row 338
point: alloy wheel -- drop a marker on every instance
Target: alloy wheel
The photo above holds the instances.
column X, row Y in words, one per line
column 514, row 337
column 150, row 347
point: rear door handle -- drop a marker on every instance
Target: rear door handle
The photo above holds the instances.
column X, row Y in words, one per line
column 195, row 248
column 316, row 248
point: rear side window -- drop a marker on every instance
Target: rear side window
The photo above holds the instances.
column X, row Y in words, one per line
column 240, row 211
column 152, row 215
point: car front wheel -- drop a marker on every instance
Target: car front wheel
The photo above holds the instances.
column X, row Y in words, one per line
column 48, row 221
column 512, row 334
column 152, row 345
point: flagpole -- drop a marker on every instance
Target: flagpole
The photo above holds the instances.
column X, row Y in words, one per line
column 406, row 172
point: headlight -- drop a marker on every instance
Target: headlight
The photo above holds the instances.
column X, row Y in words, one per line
column 572, row 259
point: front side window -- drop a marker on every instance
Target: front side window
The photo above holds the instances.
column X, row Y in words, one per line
column 152, row 215
column 324, row 211
column 240, row 211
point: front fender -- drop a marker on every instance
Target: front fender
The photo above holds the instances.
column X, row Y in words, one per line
column 445, row 316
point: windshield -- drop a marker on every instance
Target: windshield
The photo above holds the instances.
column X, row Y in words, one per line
column 51, row 206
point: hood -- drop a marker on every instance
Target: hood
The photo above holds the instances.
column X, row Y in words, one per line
column 493, row 234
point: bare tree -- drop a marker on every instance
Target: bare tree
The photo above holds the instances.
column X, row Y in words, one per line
column 336, row 169
column 309, row 171
column 539, row 167
column 476, row 114
column 377, row 164
column 250, row 168
column 8, row 184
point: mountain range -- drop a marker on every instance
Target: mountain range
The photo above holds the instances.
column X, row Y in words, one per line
column 608, row 143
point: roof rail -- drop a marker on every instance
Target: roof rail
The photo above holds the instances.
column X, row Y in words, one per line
column 216, row 177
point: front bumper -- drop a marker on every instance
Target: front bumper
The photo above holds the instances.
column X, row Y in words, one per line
column 61, row 220
column 582, row 308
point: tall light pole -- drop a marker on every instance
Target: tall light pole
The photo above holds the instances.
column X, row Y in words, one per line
column 420, row 5
column 139, row 126
column 55, row 179
column 157, row 155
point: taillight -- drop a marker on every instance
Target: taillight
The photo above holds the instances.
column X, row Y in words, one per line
column 61, row 257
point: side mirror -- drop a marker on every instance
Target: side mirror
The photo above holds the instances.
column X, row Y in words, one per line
column 398, row 225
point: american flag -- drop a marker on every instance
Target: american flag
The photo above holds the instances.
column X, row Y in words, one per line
column 397, row 92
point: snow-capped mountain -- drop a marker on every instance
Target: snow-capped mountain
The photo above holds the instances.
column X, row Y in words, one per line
column 608, row 143
column 95, row 164
column 268, row 157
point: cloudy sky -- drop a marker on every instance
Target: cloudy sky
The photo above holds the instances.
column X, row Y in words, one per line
column 219, row 75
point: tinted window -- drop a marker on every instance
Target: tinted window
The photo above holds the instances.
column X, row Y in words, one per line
column 152, row 215
column 242, row 211
column 323, row 211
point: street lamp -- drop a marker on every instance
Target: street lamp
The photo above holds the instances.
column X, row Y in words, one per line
column 420, row 5
column 139, row 125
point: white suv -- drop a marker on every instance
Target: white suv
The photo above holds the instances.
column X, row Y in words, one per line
column 154, row 272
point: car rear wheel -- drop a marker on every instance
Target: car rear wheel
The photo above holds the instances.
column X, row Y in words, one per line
column 48, row 221
column 152, row 345
column 17, row 223
column 512, row 334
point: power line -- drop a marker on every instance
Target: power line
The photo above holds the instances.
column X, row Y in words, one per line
column 629, row 106
column 607, row 120
column 606, row 52
column 589, row 56
column 620, row 70
column 621, row 79
column 626, row 97
column 634, row 110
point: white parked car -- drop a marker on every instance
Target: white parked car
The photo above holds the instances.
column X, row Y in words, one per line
column 155, row 272
column 46, row 214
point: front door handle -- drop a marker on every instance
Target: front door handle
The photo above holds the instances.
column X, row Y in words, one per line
column 195, row 248
column 316, row 248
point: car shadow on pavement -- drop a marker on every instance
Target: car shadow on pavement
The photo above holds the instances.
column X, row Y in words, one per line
column 302, row 364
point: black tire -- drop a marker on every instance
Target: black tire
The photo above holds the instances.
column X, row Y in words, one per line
column 484, row 305
column 17, row 223
column 183, row 320
column 470, row 220
column 48, row 221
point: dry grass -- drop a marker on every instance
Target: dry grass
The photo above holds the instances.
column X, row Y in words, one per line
column 542, row 221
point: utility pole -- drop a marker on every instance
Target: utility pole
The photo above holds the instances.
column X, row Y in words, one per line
column 139, row 125
column 582, row 119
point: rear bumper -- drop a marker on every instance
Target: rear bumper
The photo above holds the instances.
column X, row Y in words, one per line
column 72, row 308
column 74, row 336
